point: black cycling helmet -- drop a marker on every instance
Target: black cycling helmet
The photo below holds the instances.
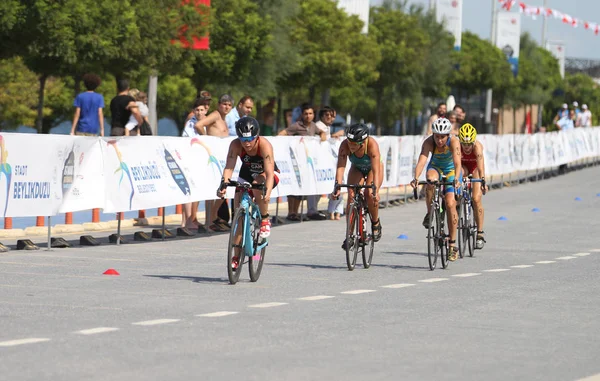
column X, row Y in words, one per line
column 357, row 132
column 247, row 127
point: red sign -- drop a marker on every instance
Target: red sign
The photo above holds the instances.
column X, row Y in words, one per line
column 197, row 43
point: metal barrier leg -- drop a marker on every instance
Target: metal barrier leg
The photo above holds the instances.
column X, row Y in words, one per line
column 301, row 208
column 276, row 212
column 49, row 232
column 405, row 195
column 163, row 226
column 119, row 229
column 387, row 197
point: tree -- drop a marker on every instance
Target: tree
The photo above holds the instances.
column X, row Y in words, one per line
column 239, row 37
column 403, row 59
column 175, row 96
column 480, row 65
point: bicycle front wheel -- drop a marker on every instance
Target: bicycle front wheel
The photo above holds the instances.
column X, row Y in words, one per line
column 368, row 244
column 351, row 242
column 433, row 248
column 442, row 239
column 472, row 231
column 461, row 231
column 235, row 252
column 255, row 263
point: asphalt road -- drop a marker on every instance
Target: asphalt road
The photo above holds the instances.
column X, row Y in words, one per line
column 524, row 308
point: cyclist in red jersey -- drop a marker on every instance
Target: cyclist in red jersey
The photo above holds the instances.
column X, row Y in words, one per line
column 258, row 167
column 473, row 164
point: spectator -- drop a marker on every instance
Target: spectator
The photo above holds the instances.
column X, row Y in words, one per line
column 335, row 208
column 243, row 108
column 89, row 117
column 564, row 111
column 121, row 108
column 132, row 128
column 576, row 107
column 304, row 127
column 585, row 117
column 460, row 115
column 455, row 126
column 194, row 125
column 268, row 118
column 215, row 126
column 190, row 210
column 440, row 113
column 566, row 122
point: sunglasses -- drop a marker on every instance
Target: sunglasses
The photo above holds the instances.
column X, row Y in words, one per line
column 467, row 145
column 359, row 143
column 248, row 139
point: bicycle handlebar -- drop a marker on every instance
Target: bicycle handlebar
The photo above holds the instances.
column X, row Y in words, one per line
column 245, row 186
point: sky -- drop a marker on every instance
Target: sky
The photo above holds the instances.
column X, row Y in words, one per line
column 580, row 43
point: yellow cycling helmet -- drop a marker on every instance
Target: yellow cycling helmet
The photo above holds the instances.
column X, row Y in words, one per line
column 467, row 134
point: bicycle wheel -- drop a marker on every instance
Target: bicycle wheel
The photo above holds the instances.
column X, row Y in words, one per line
column 443, row 239
column 255, row 262
column 461, row 231
column 351, row 237
column 433, row 248
column 235, row 252
column 472, row 231
column 368, row 244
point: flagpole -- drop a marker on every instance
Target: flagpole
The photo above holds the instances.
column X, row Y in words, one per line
column 544, row 30
column 488, row 96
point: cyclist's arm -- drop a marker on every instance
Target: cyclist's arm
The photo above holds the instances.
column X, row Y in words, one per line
column 341, row 164
column 456, row 157
column 376, row 166
column 268, row 166
column 426, row 149
column 480, row 159
column 232, row 155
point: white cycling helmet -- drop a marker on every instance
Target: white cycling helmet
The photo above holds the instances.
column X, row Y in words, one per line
column 441, row 126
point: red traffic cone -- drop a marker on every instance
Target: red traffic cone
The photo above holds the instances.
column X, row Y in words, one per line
column 111, row 272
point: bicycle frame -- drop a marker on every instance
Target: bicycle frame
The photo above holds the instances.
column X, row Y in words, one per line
column 252, row 214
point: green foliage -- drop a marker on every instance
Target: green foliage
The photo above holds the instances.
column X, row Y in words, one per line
column 480, row 65
column 175, row 97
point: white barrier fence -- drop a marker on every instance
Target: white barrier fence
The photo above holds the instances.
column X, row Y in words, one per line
column 43, row 175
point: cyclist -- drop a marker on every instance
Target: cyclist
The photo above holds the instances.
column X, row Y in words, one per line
column 445, row 160
column 366, row 165
column 473, row 164
column 258, row 167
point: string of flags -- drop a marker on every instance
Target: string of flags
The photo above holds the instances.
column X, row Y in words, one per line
column 534, row 12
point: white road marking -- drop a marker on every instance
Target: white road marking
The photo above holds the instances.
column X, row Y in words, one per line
column 581, row 254
column 398, row 285
column 13, row 343
column 316, row 297
column 521, row 266
column 466, row 275
column 267, row 305
column 566, row 258
column 433, row 280
column 218, row 314
column 595, row 250
column 156, row 322
column 496, row 270
column 545, row 262
column 93, row 331
column 356, row 292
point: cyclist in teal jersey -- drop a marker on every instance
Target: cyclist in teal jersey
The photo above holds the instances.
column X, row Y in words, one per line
column 445, row 160
column 366, row 165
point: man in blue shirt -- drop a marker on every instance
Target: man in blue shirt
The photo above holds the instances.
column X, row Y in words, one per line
column 243, row 108
column 89, row 118
column 566, row 122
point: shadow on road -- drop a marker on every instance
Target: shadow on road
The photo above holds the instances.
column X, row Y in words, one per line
column 195, row 279
column 405, row 253
column 312, row 266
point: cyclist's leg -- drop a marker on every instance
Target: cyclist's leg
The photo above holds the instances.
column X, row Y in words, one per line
column 373, row 206
column 354, row 177
column 452, row 215
column 433, row 174
column 478, row 210
column 263, row 205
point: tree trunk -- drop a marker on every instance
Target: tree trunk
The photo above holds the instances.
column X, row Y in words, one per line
column 403, row 119
column 325, row 97
column 279, row 123
column 77, row 87
column 40, row 106
column 514, row 131
column 311, row 94
column 378, row 117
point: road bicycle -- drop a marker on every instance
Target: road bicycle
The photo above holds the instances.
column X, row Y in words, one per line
column 359, row 227
column 245, row 244
column 437, row 238
column 467, row 229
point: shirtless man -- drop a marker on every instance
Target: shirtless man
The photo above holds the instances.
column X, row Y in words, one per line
column 215, row 126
